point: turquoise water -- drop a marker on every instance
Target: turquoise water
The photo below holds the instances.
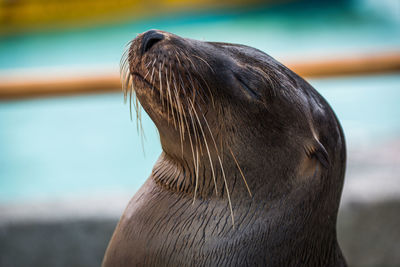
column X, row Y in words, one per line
column 75, row 145
column 69, row 146
column 368, row 107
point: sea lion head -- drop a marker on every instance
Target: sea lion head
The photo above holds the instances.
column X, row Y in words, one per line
column 235, row 121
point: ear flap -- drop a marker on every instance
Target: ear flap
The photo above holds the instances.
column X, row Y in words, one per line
column 317, row 150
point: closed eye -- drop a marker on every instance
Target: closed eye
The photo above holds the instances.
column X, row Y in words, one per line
column 249, row 91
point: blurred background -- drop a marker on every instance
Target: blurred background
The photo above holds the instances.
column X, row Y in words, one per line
column 71, row 158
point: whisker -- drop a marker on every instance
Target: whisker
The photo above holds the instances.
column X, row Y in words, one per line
column 161, row 91
column 240, row 170
column 191, row 143
column 223, row 172
column 208, row 151
column 197, row 175
column 147, row 73
column 202, row 59
column 128, row 88
column 196, row 132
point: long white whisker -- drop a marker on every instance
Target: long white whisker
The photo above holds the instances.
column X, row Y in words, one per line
column 208, row 150
column 223, row 172
column 240, row 170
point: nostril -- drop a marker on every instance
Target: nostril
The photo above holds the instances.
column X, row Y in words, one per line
column 150, row 38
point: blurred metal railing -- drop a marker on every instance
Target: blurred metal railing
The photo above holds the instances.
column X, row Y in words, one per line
column 23, row 87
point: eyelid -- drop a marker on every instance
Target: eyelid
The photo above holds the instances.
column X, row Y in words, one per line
column 250, row 91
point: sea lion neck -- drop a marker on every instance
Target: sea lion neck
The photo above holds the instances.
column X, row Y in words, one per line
column 180, row 176
column 235, row 175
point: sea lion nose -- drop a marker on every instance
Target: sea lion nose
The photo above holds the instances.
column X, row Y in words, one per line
column 149, row 39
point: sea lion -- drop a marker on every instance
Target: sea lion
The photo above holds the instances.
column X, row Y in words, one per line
column 252, row 166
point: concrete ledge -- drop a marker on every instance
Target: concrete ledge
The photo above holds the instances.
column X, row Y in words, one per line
column 58, row 243
column 369, row 233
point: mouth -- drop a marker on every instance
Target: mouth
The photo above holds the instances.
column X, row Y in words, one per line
column 138, row 78
column 165, row 100
column 142, row 86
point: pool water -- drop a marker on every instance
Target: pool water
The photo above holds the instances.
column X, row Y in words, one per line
column 368, row 107
column 67, row 145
